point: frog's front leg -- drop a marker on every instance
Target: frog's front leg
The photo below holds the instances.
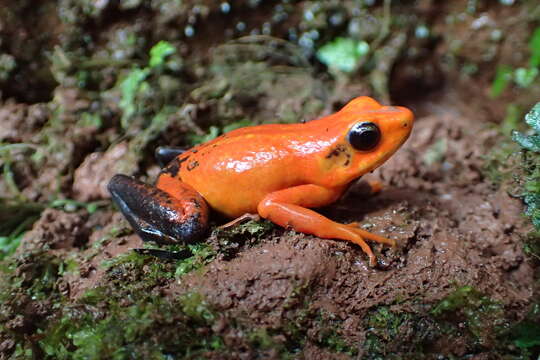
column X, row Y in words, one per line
column 288, row 208
column 168, row 213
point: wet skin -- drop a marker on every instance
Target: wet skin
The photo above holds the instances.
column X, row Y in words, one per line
column 278, row 171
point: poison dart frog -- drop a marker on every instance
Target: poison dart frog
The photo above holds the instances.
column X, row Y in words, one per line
column 278, row 171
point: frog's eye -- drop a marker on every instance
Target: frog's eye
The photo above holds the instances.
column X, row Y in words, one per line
column 364, row 136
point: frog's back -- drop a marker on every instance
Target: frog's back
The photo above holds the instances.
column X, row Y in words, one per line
column 235, row 171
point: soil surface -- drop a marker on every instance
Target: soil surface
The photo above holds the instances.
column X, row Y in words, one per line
column 454, row 287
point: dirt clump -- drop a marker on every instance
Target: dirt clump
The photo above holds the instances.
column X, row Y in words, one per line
column 56, row 230
column 91, row 178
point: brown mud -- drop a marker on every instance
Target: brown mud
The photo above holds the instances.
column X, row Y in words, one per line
column 457, row 276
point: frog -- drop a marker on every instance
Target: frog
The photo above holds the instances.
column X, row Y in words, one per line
column 280, row 172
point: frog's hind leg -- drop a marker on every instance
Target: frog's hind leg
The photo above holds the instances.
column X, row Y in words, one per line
column 167, row 214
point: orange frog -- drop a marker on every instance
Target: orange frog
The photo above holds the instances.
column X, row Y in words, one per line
column 278, row 171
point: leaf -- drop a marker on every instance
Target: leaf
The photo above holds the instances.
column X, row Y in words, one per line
column 129, row 88
column 525, row 77
column 503, row 76
column 343, row 53
column 236, row 125
column 534, row 46
column 533, row 118
column 531, row 142
column 213, row 132
column 159, row 52
column 527, row 334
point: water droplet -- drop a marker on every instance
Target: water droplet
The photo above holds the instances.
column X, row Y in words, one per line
column 225, row 7
column 336, row 19
column 267, row 28
column 241, row 26
column 293, row 35
column 421, row 32
column 189, row 31
column 309, row 16
column 305, row 41
column 496, row 35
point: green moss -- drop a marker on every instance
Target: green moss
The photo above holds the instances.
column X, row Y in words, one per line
column 482, row 317
column 36, row 273
column 122, row 319
column 262, row 339
column 231, row 239
column 328, row 336
column 159, row 52
column 195, row 306
column 390, row 332
column 202, row 255
column 150, row 329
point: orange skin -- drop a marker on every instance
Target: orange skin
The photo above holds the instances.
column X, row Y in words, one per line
column 280, row 171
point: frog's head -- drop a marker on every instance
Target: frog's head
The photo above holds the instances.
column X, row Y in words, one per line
column 370, row 133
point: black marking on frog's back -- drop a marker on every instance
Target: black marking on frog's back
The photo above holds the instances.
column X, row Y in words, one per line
column 192, row 165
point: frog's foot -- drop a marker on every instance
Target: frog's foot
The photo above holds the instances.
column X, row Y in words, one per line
column 164, row 254
column 164, row 214
column 240, row 219
column 354, row 226
column 289, row 208
column 165, row 154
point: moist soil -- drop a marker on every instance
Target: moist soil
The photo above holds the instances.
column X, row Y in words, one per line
column 454, row 287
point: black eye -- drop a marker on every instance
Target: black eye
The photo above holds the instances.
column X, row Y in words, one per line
column 364, row 136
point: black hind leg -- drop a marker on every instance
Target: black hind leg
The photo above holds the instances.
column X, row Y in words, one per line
column 156, row 215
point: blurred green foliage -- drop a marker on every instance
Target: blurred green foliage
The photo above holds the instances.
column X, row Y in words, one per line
column 523, row 77
column 343, row 54
column 134, row 83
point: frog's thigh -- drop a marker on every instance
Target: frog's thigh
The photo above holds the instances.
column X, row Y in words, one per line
column 288, row 208
column 170, row 212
